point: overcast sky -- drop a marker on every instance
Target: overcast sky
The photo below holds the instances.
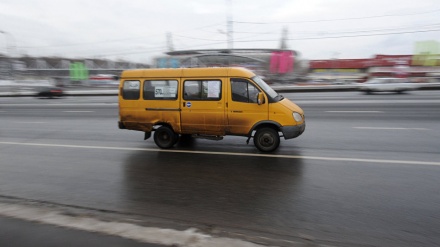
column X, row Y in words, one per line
column 136, row 30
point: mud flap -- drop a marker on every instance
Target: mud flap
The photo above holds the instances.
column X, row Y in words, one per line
column 247, row 141
column 147, row 135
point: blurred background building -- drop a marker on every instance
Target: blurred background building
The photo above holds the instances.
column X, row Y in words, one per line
column 275, row 65
column 63, row 70
column 418, row 68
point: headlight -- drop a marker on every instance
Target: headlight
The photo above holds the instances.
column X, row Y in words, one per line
column 297, row 117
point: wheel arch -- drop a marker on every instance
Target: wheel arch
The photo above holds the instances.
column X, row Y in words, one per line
column 270, row 124
column 160, row 124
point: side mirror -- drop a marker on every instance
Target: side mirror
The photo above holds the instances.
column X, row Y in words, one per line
column 260, row 98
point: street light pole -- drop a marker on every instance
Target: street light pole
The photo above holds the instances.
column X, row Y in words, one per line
column 335, row 66
column 9, row 49
column 229, row 23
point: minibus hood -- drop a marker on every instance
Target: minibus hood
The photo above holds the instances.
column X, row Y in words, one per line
column 291, row 106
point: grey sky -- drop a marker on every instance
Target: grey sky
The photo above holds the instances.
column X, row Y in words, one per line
column 136, row 30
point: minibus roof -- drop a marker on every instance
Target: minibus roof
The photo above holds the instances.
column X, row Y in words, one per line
column 188, row 72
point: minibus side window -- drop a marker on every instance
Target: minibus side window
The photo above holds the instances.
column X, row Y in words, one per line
column 243, row 91
column 131, row 90
column 202, row 90
column 160, row 90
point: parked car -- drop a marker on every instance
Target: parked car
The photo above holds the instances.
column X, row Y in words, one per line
column 49, row 91
column 397, row 85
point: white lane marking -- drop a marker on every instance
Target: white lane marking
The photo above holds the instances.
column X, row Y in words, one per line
column 406, row 162
column 355, row 111
column 374, row 102
column 389, row 128
column 65, row 104
column 169, row 237
column 30, row 122
column 77, row 111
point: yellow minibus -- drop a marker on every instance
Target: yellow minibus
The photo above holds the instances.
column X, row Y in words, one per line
column 208, row 103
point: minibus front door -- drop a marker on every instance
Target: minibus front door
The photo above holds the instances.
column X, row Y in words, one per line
column 243, row 110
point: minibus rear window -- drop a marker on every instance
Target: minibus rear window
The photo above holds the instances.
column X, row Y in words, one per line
column 131, row 90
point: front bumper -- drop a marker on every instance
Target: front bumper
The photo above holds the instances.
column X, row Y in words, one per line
column 290, row 132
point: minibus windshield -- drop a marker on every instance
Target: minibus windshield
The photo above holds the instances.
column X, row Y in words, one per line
column 270, row 92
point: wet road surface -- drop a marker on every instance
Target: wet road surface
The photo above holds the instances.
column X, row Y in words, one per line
column 365, row 172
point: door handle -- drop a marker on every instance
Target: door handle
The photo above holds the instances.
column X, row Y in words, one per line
column 238, row 111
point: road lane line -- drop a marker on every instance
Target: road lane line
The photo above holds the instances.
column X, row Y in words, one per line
column 63, row 104
column 355, row 111
column 30, row 122
column 77, row 111
column 373, row 102
column 406, row 162
column 169, row 237
column 389, row 128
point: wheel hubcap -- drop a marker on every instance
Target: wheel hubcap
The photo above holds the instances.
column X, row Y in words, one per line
column 165, row 137
column 266, row 140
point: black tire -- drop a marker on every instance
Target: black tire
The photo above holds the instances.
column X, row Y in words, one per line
column 176, row 138
column 266, row 139
column 164, row 137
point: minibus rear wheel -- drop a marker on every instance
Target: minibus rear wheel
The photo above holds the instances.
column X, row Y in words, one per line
column 266, row 139
column 164, row 137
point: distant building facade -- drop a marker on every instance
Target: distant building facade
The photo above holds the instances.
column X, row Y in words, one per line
column 415, row 67
column 59, row 67
column 273, row 64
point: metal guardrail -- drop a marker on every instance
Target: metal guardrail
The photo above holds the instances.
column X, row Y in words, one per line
column 11, row 91
column 340, row 88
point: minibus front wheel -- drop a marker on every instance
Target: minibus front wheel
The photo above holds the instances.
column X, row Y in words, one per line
column 266, row 139
column 164, row 137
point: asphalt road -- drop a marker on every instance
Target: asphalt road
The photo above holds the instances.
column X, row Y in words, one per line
column 364, row 173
